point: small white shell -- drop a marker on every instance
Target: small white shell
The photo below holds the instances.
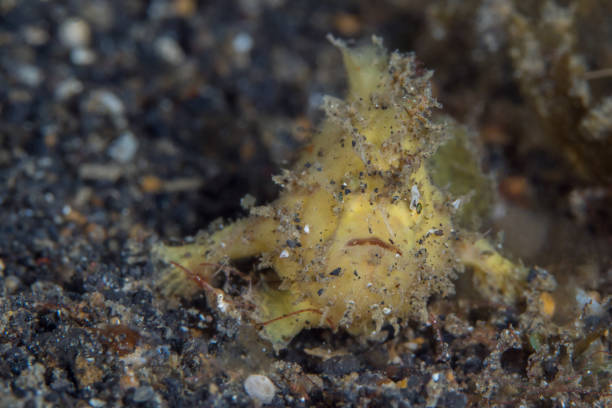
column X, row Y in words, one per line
column 260, row 388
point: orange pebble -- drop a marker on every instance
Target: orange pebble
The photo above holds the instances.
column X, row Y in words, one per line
column 151, row 184
column 547, row 304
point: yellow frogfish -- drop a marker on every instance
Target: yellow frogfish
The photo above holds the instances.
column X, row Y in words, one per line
column 360, row 236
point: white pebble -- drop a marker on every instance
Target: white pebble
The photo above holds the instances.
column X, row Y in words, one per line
column 97, row 403
column 103, row 101
column 242, row 43
column 169, row 50
column 35, row 35
column 124, row 148
column 68, row 88
column 82, row 56
column 260, row 388
column 29, row 75
column 75, row 32
column 284, row 254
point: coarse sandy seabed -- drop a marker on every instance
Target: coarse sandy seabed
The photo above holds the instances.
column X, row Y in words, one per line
column 123, row 124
